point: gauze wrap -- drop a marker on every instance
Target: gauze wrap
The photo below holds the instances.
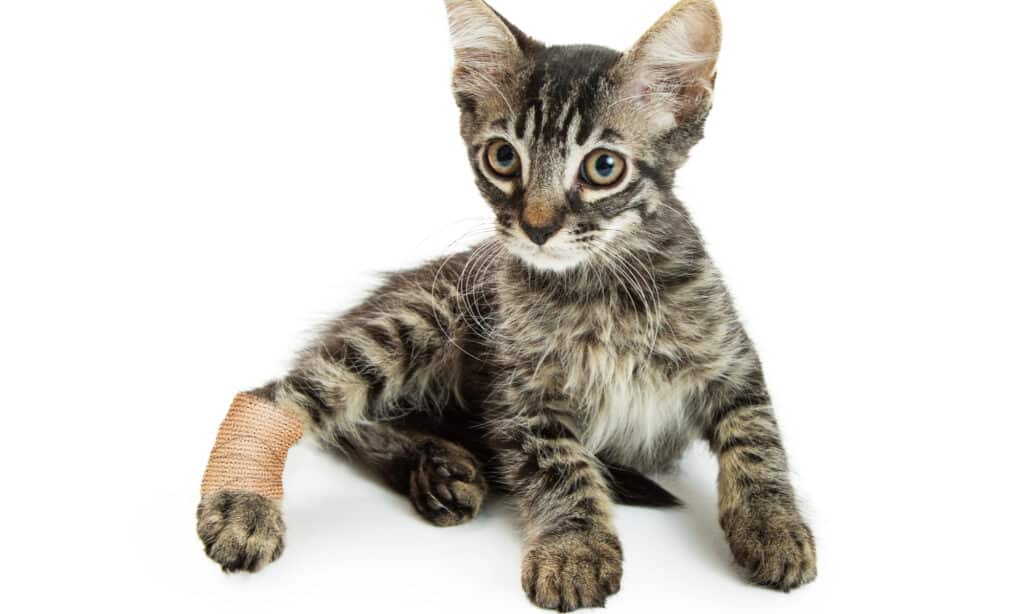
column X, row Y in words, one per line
column 251, row 448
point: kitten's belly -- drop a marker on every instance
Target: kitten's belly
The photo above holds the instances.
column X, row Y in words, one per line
column 640, row 422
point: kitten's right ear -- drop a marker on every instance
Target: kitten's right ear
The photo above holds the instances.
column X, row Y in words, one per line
column 488, row 48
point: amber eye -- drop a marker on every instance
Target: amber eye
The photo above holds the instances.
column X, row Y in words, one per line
column 503, row 159
column 602, row 168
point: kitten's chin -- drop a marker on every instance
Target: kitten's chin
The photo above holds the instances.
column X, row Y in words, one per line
column 552, row 260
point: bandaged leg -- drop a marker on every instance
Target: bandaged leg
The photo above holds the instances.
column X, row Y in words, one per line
column 239, row 518
column 251, row 448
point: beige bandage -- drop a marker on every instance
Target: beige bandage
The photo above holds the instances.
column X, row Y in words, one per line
column 251, row 448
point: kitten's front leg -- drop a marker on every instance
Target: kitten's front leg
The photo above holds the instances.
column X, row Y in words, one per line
column 573, row 557
column 757, row 506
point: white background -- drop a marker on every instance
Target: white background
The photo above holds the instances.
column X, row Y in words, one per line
column 187, row 187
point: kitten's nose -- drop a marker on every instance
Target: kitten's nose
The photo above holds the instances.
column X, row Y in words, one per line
column 540, row 235
column 540, row 220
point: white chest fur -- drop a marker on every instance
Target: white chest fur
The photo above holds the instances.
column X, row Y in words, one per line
column 632, row 414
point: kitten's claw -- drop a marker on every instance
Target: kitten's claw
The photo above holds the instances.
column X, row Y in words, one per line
column 447, row 487
column 241, row 531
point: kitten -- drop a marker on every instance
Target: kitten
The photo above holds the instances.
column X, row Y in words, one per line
column 587, row 342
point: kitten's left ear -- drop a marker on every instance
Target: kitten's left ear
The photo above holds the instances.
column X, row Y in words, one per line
column 669, row 75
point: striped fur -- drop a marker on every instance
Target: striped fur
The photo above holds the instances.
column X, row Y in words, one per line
column 545, row 371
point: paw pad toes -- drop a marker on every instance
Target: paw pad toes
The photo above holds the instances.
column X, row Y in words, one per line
column 441, row 489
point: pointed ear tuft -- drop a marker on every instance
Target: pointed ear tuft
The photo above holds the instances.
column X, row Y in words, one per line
column 669, row 74
column 487, row 47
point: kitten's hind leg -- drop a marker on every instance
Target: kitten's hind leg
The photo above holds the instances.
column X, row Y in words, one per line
column 402, row 351
column 448, row 486
column 444, row 481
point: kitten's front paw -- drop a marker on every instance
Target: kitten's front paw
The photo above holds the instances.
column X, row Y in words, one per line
column 575, row 570
column 448, row 486
column 773, row 544
column 241, row 531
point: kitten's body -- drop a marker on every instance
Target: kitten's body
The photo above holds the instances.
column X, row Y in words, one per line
column 591, row 339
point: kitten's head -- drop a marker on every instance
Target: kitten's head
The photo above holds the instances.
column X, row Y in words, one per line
column 575, row 147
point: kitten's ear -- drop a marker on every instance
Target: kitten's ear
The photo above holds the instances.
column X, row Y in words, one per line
column 669, row 74
column 488, row 48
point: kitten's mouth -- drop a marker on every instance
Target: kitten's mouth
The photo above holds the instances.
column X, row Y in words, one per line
column 546, row 257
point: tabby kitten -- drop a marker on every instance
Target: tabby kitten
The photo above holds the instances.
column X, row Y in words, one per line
column 587, row 342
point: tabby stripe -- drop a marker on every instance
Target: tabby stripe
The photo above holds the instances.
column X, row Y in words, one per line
column 429, row 315
column 563, row 480
column 677, row 278
column 406, row 337
column 751, row 457
column 527, row 469
column 563, row 132
column 768, row 490
column 318, row 409
column 585, row 107
column 758, row 441
column 356, row 362
column 532, row 107
column 623, row 198
column 586, row 128
column 552, row 430
column 751, row 400
column 570, row 524
column 382, row 336
column 651, row 172
column 538, row 120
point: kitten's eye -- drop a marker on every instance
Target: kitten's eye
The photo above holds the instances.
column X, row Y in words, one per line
column 503, row 159
column 602, row 168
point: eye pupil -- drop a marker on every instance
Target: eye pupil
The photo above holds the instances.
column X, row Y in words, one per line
column 506, row 156
column 605, row 165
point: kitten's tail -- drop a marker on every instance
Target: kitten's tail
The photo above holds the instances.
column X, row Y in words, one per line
column 631, row 487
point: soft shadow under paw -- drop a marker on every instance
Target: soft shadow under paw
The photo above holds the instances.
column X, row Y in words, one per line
column 241, row 531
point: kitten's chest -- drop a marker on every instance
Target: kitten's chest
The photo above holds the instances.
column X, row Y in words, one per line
column 627, row 379
column 630, row 411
